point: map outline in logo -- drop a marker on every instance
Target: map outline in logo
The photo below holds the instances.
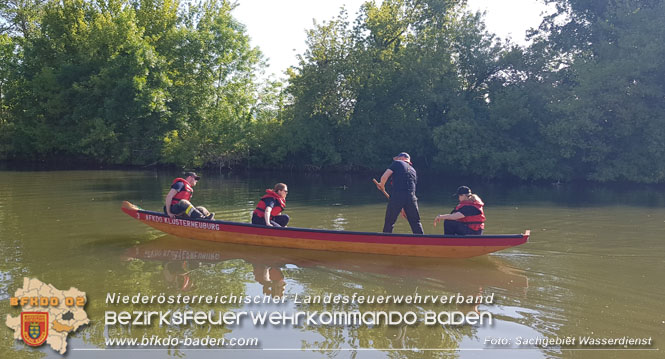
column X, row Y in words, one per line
column 59, row 313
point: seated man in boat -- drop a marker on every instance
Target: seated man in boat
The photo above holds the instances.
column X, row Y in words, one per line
column 467, row 218
column 269, row 210
column 177, row 202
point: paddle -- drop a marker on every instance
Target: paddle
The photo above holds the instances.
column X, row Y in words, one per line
column 381, row 188
column 385, row 193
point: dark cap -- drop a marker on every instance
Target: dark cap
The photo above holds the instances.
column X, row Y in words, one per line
column 192, row 174
column 462, row 190
column 402, row 154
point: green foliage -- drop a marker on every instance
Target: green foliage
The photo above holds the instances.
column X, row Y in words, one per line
column 610, row 120
column 91, row 83
column 215, row 94
column 134, row 82
column 405, row 68
column 160, row 81
column 8, row 60
column 582, row 102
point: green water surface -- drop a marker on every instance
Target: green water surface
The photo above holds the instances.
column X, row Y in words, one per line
column 593, row 267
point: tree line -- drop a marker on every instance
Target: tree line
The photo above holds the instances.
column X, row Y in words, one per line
column 169, row 82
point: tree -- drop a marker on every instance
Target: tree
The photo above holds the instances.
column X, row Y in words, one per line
column 216, row 91
column 610, row 118
column 134, row 82
column 8, row 62
column 362, row 91
column 91, row 87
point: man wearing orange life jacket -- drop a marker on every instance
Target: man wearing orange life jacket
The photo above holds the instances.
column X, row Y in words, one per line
column 177, row 202
column 269, row 209
column 468, row 216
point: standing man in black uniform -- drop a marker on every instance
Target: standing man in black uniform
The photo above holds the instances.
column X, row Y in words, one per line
column 403, row 194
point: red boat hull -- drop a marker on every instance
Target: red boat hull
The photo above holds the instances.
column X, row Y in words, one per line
column 316, row 239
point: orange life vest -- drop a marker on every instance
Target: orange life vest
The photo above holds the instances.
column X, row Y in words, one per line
column 185, row 193
column 261, row 207
column 476, row 222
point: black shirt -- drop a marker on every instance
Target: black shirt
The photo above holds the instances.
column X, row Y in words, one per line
column 404, row 177
column 178, row 186
column 270, row 202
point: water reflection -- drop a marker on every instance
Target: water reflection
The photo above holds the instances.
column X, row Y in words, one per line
column 287, row 272
column 182, row 256
column 271, row 278
column 178, row 275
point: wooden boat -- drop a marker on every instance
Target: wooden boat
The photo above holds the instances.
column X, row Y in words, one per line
column 319, row 239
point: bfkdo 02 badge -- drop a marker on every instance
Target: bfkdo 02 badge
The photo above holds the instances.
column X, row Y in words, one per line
column 34, row 328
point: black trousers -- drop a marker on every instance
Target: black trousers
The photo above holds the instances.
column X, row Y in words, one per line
column 179, row 210
column 408, row 202
column 280, row 220
column 459, row 228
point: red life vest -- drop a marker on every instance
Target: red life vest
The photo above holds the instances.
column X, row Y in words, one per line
column 261, row 207
column 185, row 193
column 476, row 222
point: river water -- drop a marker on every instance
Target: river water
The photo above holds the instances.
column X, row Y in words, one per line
column 593, row 267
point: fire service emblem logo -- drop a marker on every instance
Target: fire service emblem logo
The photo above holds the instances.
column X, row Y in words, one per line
column 34, row 327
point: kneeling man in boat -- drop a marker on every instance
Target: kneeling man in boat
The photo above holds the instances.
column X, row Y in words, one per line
column 177, row 202
column 269, row 210
column 467, row 218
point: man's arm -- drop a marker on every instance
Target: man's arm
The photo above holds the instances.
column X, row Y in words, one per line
column 384, row 178
column 266, row 215
column 453, row 217
column 167, row 202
